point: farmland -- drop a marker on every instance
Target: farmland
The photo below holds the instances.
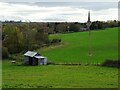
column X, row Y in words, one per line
column 73, row 49
column 58, row 76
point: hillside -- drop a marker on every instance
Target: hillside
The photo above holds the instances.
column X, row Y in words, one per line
column 75, row 47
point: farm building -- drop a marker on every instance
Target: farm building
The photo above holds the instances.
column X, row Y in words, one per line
column 34, row 58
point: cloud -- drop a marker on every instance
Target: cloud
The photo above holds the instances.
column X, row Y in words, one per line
column 12, row 11
column 59, row 0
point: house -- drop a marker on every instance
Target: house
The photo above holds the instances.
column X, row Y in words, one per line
column 83, row 29
column 34, row 58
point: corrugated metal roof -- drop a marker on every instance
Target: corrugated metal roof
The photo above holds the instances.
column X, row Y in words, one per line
column 39, row 57
column 30, row 53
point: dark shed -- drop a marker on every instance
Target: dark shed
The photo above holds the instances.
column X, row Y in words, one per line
column 34, row 58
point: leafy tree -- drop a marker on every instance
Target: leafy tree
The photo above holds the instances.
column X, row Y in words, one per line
column 61, row 28
column 13, row 38
column 28, row 32
column 74, row 27
column 41, row 37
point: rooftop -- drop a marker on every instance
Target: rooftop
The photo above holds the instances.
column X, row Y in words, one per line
column 30, row 53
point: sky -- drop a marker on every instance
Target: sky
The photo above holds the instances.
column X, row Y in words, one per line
column 59, row 0
column 58, row 11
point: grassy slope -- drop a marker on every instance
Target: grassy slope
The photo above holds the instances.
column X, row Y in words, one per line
column 74, row 49
column 104, row 45
column 53, row 76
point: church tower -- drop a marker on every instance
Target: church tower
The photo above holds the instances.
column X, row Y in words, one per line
column 88, row 22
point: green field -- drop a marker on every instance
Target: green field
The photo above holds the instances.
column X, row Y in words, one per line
column 58, row 76
column 74, row 48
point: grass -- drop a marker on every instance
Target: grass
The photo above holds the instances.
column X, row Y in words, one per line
column 58, row 76
column 75, row 47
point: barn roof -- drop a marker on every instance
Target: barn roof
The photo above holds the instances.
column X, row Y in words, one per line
column 39, row 57
column 30, row 53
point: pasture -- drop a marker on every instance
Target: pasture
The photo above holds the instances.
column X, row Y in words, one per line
column 58, row 76
column 73, row 49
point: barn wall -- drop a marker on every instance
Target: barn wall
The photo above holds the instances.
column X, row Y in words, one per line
column 41, row 61
column 45, row 61
column 26, row 60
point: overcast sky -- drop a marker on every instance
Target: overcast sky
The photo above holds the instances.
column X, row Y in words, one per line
column 59, row 0
column 58, row 11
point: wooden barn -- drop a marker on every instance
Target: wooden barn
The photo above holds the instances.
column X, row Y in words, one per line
column 34, row 58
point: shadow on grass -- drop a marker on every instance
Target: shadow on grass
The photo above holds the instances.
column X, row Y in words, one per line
column 111, row 63
column 107, row 63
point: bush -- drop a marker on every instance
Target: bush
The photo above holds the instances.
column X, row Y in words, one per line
column 55, row 40
column 5, row 52
column 111, row 63
column 16, row 57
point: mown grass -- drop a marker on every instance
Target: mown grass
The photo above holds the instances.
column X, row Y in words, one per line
column 58, row 76
column 75, row 47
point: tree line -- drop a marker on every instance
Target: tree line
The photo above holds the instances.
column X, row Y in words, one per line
column 64, row 27
column 22, row 36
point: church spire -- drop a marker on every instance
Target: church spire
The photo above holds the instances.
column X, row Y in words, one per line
column 88, row 22
column 89, row 16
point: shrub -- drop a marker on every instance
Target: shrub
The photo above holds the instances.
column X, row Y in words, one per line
column 55, row 40
column 111, row 63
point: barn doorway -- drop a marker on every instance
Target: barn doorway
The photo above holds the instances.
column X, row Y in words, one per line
column 30, row 61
